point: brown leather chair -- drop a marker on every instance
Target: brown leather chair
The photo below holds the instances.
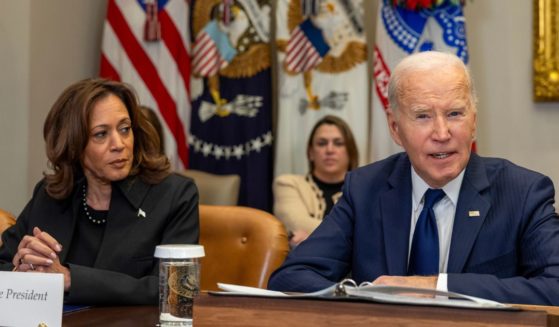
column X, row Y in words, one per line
column 6, row 221
column 215, row 189
column 243, row 246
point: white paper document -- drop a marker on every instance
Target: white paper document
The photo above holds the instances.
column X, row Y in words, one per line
column 246, row 290
column 348, row 290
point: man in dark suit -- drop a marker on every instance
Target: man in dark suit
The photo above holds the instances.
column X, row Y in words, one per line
column 493, row 233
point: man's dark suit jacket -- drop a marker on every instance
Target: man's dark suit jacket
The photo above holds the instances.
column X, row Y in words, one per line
column 509, row 253
column 125, row 271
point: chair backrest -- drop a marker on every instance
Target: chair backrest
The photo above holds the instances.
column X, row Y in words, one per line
column 242, row 245
column 215, row 189
column 6, row 221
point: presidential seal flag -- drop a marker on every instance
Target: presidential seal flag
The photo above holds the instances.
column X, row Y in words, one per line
column 231, row 124
column 402, row 29
column 146, row 44
column 322, row 63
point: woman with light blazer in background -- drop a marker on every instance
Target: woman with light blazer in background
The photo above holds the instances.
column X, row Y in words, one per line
column 302, row 201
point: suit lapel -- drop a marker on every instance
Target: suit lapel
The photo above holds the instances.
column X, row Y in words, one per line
column 71, row 211
column 395, row 209
column 126, row 199
column 471, row 211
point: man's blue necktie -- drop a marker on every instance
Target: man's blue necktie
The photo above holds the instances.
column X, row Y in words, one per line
column 424, row 254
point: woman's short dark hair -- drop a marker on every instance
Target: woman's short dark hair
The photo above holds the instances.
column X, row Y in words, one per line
column 66, row 134
column 349, row 140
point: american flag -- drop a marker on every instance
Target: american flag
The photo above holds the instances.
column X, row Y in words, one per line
column 157, row 66
column 306, row 48
column 212, row 51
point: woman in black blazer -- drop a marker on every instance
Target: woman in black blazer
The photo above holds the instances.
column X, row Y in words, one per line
column 109, row 199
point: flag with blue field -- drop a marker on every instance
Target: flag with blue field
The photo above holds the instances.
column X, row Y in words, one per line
column 231, row 123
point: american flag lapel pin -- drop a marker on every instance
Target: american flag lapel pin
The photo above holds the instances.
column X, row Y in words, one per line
column 473, row 213
column 141, row 213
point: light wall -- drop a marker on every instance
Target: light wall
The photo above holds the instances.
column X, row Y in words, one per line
column 15, row 34
column 510, row 124
column 46, row 45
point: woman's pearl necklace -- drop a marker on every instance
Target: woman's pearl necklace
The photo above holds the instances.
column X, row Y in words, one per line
column 93, row 220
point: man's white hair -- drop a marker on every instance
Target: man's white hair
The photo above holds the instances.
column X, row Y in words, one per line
column 425, row 61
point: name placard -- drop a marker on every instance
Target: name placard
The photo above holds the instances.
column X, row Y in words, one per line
column 31, row 299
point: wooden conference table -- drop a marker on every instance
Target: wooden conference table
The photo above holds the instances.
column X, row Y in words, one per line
column 131, row 316
column 213, row 311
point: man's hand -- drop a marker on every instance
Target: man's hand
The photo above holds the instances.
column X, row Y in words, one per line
column 297, row 237
column 429, row 282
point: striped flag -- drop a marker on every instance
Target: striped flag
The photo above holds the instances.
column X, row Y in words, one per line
column 306, row 48
column 148, row 47
column 401, row 32
column 212, row 51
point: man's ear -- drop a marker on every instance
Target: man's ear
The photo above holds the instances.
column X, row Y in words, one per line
column 393, row 125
